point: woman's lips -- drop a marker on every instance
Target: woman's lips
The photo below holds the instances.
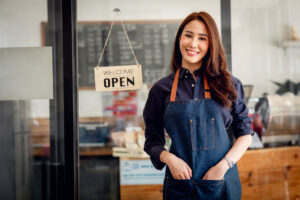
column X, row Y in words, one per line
column 192, row 52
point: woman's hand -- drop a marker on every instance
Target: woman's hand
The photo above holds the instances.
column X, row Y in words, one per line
column 217, row 172
column 179, row 169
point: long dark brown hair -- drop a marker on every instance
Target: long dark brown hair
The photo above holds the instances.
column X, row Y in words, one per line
column 214, row 65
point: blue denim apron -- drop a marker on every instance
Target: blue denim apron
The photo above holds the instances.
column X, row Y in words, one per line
column 199, row 137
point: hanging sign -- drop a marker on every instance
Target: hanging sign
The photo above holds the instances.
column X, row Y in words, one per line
column 116, row 78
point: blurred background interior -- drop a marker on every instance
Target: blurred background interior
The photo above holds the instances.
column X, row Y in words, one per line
column 262, row 42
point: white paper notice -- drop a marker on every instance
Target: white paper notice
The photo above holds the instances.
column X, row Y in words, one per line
column 26, row 73
column 140, row 172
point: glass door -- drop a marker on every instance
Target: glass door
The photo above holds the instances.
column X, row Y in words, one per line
column 38, row 129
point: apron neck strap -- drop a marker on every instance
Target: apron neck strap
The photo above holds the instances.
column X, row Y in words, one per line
column 206, row 89
column 175, row 85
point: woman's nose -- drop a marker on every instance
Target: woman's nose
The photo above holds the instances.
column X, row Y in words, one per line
column 194, row 42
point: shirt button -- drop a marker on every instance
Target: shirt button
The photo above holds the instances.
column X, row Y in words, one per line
column 193, row 85
column 186, row 71
column 185, row 76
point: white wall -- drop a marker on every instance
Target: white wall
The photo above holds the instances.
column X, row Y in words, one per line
column 145, row 9
column 20, row 22
column 258, row 29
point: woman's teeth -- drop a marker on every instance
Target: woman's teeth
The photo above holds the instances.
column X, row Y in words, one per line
column 192, row 52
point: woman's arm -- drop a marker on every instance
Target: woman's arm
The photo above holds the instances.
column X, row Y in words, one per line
column 154, row 126
column 238, row 149
column 179, row 169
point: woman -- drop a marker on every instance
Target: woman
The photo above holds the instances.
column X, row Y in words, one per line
column 196, row 105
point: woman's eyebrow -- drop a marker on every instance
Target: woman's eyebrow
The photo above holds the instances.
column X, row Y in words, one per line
column 202, row 34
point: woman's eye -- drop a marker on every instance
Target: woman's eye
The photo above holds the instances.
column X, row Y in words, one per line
column 187, row 35
column 202, row 38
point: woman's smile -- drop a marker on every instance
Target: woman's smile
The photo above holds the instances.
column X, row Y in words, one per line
column 191, row 52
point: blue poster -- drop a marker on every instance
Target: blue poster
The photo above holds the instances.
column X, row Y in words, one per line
column 140, row 172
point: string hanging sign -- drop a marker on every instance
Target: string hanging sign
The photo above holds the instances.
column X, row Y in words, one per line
column 116, row 78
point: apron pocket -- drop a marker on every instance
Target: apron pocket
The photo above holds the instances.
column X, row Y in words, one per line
column 203, row 134
column 210, row 189
column 178, row 189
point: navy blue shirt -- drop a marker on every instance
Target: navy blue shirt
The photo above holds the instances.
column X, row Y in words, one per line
column 188, row 89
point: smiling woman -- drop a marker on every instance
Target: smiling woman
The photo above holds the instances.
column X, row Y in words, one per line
column 201, row 160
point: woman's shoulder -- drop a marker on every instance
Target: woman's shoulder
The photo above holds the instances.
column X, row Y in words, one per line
column 239, row 88
column 236, row 82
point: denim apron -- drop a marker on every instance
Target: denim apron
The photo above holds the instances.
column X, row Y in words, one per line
column 199, row 137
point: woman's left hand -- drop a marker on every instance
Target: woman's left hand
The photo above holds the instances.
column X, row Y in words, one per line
column 217, row 172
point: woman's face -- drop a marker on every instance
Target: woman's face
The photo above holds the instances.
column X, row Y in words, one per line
column 193, row 44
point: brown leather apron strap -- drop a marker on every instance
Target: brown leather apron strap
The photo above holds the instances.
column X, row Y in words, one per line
column 175, row 84
column 206, row 89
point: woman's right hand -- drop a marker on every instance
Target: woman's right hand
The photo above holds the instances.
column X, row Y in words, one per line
column 179, row 169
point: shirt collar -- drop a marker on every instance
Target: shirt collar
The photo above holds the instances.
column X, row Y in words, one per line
column 184, row 71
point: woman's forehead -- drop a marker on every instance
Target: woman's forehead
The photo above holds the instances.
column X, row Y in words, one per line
column 195, row 27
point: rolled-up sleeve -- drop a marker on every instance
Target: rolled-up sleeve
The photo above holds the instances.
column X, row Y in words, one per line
column 154, row 126
column 241, row 123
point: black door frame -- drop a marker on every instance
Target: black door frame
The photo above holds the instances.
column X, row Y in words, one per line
column 226, row 30
column 64, row 158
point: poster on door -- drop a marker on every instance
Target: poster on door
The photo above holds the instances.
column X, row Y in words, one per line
column 140, row 172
